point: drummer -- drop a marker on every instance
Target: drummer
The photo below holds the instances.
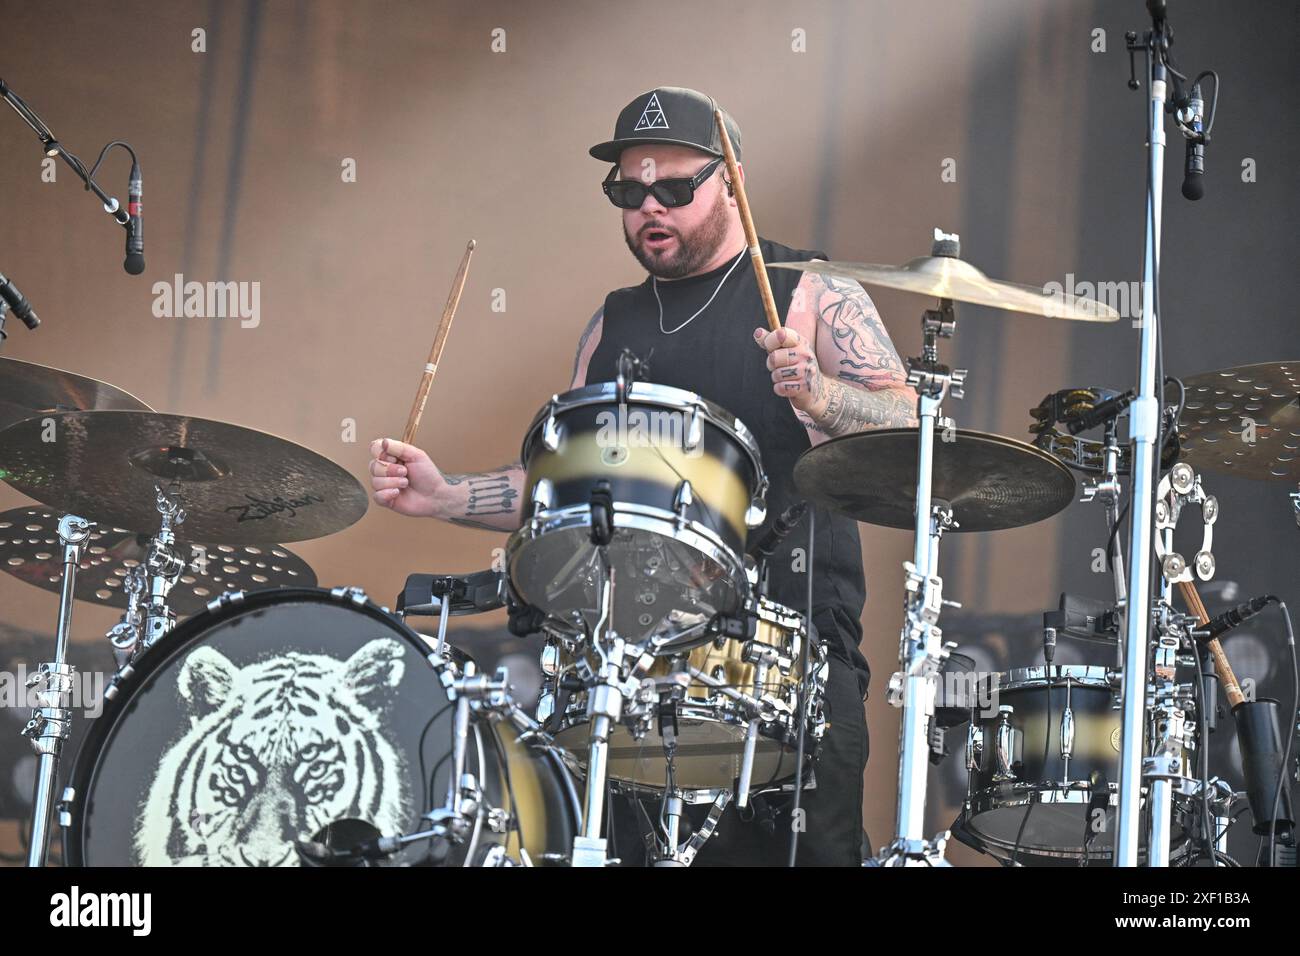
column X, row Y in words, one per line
column 830, row 370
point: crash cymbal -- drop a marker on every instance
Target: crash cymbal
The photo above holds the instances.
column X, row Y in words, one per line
column 238, row 485
column 991, row 482
column 30, row 551
column 947, row 277
column 1243, row 421
column 27, row 389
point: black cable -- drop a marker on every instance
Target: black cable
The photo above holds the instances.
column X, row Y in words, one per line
column 427, row 781
column 1203, row 758
column 103, row 152
column 1214, row 103
column 1110, row 542
column 1290, row 734
column 1047, row 744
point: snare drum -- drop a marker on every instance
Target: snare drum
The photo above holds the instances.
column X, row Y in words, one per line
column 711, row 727
column 670, row 480
column 275, row 714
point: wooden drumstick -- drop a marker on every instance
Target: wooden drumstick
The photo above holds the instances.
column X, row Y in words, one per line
column 1221, row 667
column 746, row 220
column 435, row 353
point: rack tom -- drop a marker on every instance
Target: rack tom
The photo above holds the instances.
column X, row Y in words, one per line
column 664, row 482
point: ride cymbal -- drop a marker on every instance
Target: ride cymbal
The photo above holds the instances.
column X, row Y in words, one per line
column 947, row 277
column 237, row 485
column 27, row 390
column 991, row 482
column 1243, row 421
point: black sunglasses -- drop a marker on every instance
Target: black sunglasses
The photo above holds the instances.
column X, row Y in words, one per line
column 631, row 193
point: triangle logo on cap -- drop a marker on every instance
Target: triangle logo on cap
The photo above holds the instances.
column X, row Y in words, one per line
column 652, row 117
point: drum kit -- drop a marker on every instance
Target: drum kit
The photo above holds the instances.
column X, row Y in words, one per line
column 256, row 719
column 294, row 725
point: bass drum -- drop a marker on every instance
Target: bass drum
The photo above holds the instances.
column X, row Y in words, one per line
column 273, row 715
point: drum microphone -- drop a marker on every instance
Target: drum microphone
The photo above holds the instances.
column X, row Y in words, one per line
column 1194, row 131
column 134, row 263
column 363, row 844
column 18, row 302
column 781, row 527
column 1216, row 627
column 1099, row 413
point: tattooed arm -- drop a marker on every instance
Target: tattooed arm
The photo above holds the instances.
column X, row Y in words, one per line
column 483, row 499
column 835, row 362
column 407, row 481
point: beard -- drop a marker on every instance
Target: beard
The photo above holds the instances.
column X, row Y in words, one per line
column 694, row 249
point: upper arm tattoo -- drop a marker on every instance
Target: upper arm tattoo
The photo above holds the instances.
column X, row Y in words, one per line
column 864, row 353
column 587, row 333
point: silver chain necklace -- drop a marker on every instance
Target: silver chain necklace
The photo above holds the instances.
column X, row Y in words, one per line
column 654, row 284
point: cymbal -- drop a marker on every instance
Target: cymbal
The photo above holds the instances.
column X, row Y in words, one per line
column 238, row 485
column 30, row 551
column 1229, row 407
column 991, row 482
column 947, row 277
column 27, row 389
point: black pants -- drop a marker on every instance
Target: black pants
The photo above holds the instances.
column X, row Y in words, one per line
column 831, row 832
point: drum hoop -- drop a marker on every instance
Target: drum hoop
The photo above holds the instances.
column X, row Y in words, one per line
column 629, row 516
column 1076, row 675
column 993, row 798
column 649, row 393
column 85, row 768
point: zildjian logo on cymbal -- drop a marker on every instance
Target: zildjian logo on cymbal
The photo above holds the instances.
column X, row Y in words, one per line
column 259, row 508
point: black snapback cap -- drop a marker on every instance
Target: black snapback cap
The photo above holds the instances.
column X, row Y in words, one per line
column 671, row 115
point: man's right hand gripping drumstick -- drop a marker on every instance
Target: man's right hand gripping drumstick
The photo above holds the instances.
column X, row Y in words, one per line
column 406, row 480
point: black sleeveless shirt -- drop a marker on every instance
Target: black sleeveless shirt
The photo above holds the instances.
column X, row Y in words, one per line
column 715, row 356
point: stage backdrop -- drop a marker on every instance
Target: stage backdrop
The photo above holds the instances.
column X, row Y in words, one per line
column 339, row 154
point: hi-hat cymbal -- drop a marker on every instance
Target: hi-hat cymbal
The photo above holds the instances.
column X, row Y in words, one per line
column 947, row 277
column 237, row 485
column 991, row 482
column 1243, row 421
column 30, row 551
column 27, row 389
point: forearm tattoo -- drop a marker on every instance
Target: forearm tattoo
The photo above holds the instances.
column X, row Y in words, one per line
column 851, row 408
column 488, row 494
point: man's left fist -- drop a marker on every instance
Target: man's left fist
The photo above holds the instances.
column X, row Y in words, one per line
column 795, row 372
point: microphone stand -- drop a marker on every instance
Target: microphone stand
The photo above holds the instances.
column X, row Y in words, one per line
column 1144, row 425
column 53, row 147
column 1145, row 434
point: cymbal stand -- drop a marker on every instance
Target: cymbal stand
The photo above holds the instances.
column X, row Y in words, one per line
column 1108, row 488
column 164, row 565
column 921, row 648
column 125, row 634
column 147, row 617
column 52, row 686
